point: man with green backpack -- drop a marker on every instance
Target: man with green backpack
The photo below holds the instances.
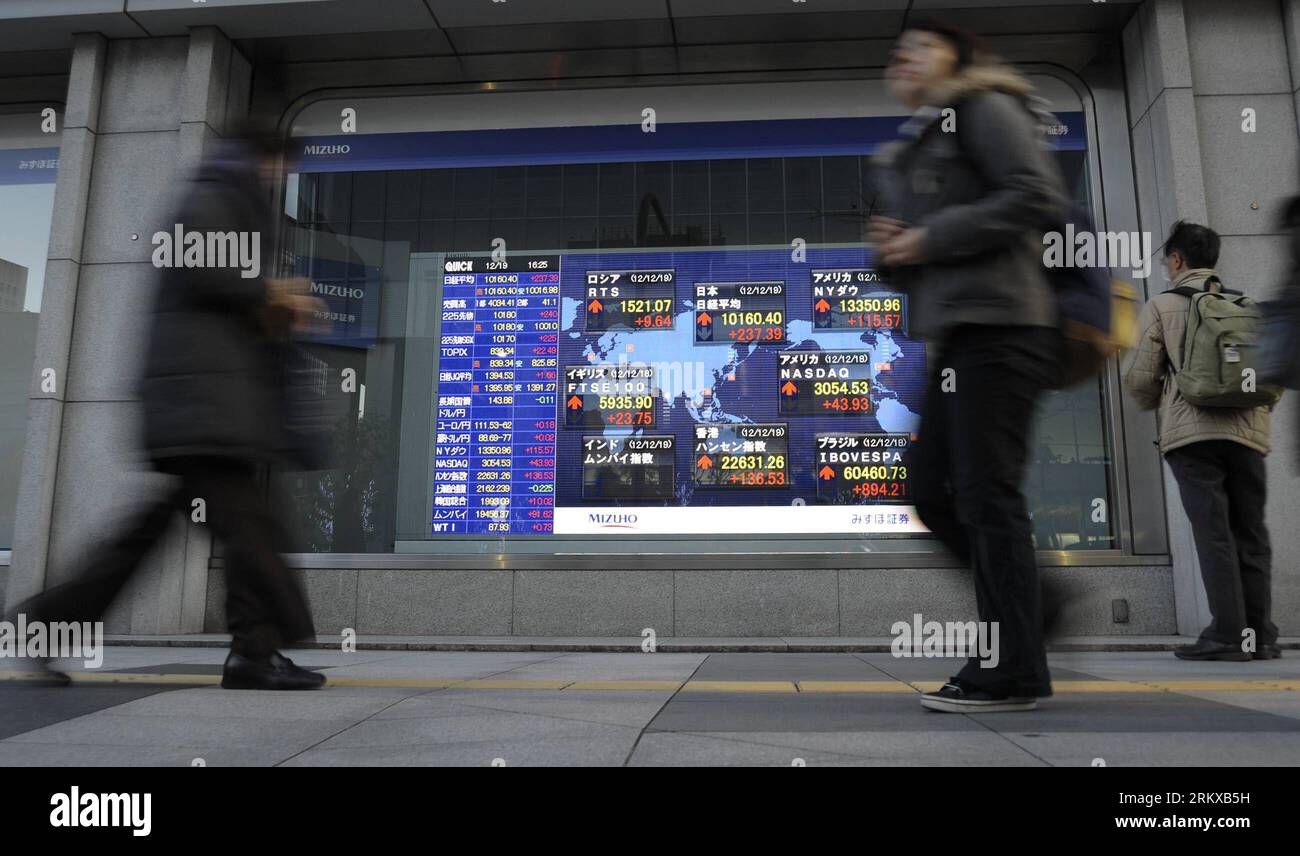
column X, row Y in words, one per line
column 1195, row 361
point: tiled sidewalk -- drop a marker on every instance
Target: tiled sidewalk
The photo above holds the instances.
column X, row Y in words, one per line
column 161, row 706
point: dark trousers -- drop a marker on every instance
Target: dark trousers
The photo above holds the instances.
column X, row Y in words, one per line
column 967, row 470
column 1223, row 489
column 265, row 605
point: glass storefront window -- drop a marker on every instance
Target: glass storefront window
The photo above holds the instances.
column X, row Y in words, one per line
column 29, row 163
column 1070, row 471
column 664, row 354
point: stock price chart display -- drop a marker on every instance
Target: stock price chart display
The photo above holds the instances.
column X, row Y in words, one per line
column 633, row 468
column 859, row 467
column 620, row 396
column 852, row 299
column 636, row 299
column 733, row 312
column 824, row 382
column 720, row 392
column 742, row 456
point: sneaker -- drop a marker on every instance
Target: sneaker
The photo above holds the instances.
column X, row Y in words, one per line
column 276, row 672
column 1267, row 651
column 958, row 696
column 1208, row 649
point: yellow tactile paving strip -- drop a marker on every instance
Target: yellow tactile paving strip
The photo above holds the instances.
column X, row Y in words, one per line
column 869, row 687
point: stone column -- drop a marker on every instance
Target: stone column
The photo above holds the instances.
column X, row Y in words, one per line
column 140, row 114
column 1212, row 111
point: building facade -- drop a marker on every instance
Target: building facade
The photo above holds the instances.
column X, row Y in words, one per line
column 469, row 184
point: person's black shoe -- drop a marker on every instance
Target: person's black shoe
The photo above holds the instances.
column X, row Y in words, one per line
column 277, row 672
column 1267, row 651
column 1207, row 649
column 958, row 696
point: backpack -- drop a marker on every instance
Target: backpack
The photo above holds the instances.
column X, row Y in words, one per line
column 1219, row 348
column 1098, row 315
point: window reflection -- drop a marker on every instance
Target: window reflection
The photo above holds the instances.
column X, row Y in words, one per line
column 358, row 232
column 29, row 164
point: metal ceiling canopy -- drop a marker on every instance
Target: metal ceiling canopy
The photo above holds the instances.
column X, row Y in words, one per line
column 33, row 25
column 451, row 14
column 496, row 26
column 246, row 19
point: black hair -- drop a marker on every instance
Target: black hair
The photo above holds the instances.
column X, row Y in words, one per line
column 967, row 44
column 1198, row 245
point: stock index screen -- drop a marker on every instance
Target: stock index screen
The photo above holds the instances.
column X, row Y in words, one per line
column 707, row 392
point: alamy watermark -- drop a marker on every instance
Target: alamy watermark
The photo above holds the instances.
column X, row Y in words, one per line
column 1083, row 249
column 921, row 638
column 63, row 640
column 128, row 810
column 193, row 249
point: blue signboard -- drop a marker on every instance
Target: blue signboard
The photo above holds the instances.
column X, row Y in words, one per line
column 617, row 143
column 29, row 166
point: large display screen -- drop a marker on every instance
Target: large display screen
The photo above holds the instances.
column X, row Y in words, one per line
column 592, row 389
column 672, row 392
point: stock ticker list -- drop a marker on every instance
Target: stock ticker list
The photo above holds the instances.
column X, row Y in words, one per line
column 495, row 425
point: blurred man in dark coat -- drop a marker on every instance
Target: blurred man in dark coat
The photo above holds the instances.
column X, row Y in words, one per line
column 214, row 416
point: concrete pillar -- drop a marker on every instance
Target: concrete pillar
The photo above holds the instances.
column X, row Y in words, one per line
column 1166, row 166
column 140, row 114
column 1199, row 74
column 54, row 334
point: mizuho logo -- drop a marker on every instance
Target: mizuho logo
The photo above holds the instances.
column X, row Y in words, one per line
column 337, row 291
column 327, row 150
column 622, row 521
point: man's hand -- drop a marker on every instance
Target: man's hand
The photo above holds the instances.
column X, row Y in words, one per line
column 308, row 314
column 290, row 296
column 278, row 286
column 907, row 247
column 881, row 229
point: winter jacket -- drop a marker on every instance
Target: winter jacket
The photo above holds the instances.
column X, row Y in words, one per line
column 212, row 385
column 1150, row 382
column 986, row 192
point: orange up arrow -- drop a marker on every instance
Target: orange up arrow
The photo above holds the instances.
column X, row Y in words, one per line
column 705, row 319
column 789, row 388
column 826, row 473
column 595, row 306
column 705, row 462
column 821, row 305
column 575, row 403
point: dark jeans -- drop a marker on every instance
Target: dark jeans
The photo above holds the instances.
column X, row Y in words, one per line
column 1223, row 489
column 265, row 605
column 967, row 469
